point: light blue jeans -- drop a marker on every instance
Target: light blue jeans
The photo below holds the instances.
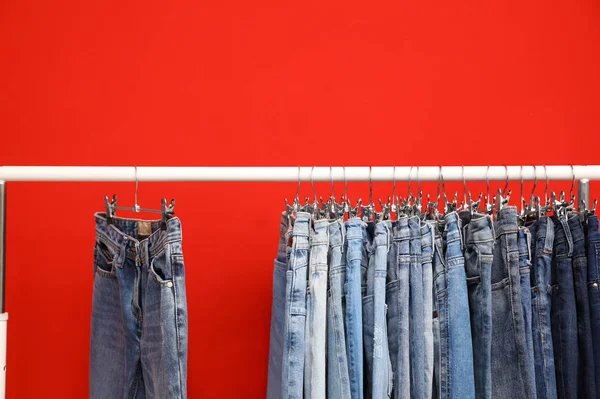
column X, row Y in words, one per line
column 397, row 297
column 278, row 311
column 452, row 326
column 338, row 381
column 524, row 243
column 427, row 237
column 417, row 344
column 295, row 308
column 314, row 376
column 356, row 262
column 379, row 377
column 139, row 311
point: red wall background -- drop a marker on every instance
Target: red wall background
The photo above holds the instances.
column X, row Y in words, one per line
column 245, row 83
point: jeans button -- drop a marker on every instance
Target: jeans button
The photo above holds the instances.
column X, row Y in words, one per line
column 170, row 284
column 595, row 285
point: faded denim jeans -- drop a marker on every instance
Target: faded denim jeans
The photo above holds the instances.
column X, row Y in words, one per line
column 338, row 382
column 139, row 311
column 427, row 237
column 524, row 243
column 479, row 243
column 417, row 344
column 278, row 311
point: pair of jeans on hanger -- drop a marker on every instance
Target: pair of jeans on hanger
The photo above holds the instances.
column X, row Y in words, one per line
column 139, row 312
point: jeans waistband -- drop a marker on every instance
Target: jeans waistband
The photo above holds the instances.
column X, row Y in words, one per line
column 506, row 221
column 563, row 241
column 480, row 229
column 302, row 224
column 355, row 229
column 576, row 228
column 593, row 228
column 402, row 231
column 383, row 234
column 544, row 236
column 123, row 231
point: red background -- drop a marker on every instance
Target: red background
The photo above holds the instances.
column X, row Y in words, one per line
column 241, row 83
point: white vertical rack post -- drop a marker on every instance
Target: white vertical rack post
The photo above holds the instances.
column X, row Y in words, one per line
column 583, row 173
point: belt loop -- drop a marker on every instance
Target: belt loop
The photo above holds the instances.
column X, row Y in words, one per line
column 567, row 231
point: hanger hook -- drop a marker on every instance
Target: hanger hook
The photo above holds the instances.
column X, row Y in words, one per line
column 506, row 183
column 522, row 198
column 135, row 196
column 487, row 183
column 298, row 188
column 443, row 184
column 408, row 195
column 345, row 184
column 572, row 181
column 418, row 182
column 394, row 184
column 464, row 185
column 312, row 183
column 370, row 186
column 332, row 184
column 546, row 188
column 534, row 180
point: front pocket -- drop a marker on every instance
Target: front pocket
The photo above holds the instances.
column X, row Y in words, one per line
column 159, row 271
column 103, row 260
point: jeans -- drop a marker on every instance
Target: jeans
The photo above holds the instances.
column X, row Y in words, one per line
column 563, row 313
column 452, row 327
column 356, row 262
column 295, row 308
column 524, row 244
column 512, row 377
column 417, row 345
column 542, row 232
column 397, row 298
column 586, row 381
column 593, row 258
column 338, row 381
column 374, row 316
column 316, row 327
column 139, row 311
column 479, row 243
column 427, row 236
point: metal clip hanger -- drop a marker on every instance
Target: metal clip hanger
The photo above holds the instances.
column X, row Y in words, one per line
column 112, row 207
column 291, row 210
column 418, row 200
column 450, row 206
column 367, row 212
column 503, row 196
column 336, row 209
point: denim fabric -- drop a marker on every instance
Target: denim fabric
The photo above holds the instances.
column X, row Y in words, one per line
column 563, row 313
column 427, row 236
column 374, row 316
column 452, row 334
column 593, row 257
column 295, row 308
column 368, row 309
column 338, row 381
column 542, row 232
column 397, row 298
column 417, row 344
column 356, row 262
column 586, row 381
column 314, row 364
column 511, row 377
column 278, row 311
column 524, row 244
column 139, row 311
column 479, row 243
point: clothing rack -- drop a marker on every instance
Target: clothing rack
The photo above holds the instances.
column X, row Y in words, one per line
column 583, row 173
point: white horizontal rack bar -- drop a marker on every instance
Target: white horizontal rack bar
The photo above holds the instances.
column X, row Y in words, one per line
column 293, row 173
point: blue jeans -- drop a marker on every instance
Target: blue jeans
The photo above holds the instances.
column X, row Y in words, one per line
column 593, row 252
column 139, row 311
column 563, row 313
column 427, row 236
column 417, row 345
column 295, row 310
column 278, row 311
column 316, row 327
column 453, row 373
column 511, row 375
column 379, row 369
column 524, row 243
column 542, row 232
column 338, row 382
column 586, row 381
column 356, row 262
column 397, row 298
column 479, row 243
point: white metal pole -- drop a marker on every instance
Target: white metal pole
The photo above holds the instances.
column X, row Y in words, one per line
column 292, row 173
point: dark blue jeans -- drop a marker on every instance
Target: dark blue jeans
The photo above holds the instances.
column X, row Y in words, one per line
column 564, row 313
column 586, row 381
column 511, row 376
column 479, row 243
column 593, row 258
column 542, row 232
column 524, row 243
column 417, row 344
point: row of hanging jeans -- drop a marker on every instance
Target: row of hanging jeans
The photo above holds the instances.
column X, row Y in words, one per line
column 462, row 306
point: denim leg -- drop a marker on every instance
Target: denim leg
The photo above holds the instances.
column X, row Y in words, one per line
column 427, row 236
column 417, row 345
column 593, row 281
